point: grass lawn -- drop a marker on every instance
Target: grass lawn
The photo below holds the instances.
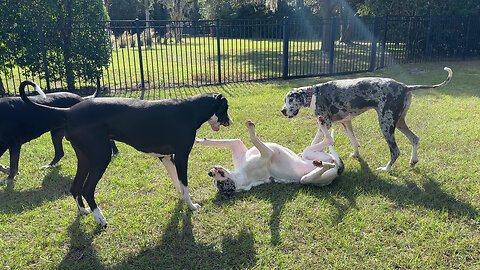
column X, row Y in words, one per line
column 426, row 217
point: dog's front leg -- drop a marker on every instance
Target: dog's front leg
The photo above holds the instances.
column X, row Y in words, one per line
column 177, row 172
column 172, row 172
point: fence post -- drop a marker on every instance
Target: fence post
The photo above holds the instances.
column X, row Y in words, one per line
column 467, row 36
column 44, row 53
column 428, row 49
column 137, row 27
column 286, row 37
column 331, row 45
column 219, row 57
column 373, row 46
column 384, row 43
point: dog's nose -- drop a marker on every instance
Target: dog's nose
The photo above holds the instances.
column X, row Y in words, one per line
column 284, row 111
column 210, row 174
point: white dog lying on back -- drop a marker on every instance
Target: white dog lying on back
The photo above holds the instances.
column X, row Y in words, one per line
column 271, row 162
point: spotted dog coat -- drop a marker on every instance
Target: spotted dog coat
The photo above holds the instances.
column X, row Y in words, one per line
column 342, row 100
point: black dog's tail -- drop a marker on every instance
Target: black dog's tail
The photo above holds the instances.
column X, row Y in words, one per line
column 449, row 78
column 25, row 98
column 92, row 96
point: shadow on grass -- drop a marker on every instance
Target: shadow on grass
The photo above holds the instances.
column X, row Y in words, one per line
column 53, row 187
column 352, row 184
column 81, row 254
column 178, row 249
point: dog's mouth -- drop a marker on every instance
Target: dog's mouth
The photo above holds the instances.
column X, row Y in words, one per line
column 293, row 114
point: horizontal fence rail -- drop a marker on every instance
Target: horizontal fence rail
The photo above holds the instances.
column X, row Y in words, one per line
column 117, row 57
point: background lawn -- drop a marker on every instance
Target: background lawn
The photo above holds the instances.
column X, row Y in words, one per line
column 427, row 217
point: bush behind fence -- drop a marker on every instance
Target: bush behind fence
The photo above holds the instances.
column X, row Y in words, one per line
column 121, row 56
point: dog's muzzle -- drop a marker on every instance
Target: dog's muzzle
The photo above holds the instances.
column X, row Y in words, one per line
column 284, row 112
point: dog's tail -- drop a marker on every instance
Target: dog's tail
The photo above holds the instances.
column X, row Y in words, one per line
column 92, row 95
column 336, row 157
column 25, row 98
column 449, row 78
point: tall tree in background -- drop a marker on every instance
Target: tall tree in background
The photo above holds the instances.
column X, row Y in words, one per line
column 70, row 53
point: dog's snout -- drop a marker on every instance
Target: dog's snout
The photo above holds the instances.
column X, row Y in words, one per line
column 210, row 174
column 284, row 112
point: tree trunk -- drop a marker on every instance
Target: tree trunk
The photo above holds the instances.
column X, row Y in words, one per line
column 2, row 88
column 327, row 24
column 67, row 46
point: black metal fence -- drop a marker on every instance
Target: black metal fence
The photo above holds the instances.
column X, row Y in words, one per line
column 159, row 55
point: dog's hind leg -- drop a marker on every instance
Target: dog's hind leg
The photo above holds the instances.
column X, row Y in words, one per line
column 83, row 166
column 99, row 157
column 387, row 125
column 3, row 168
column 57, row 137
column 235, row 145
column 322, row 175
column 351, row 136
column 402, row 126
column 265, row 152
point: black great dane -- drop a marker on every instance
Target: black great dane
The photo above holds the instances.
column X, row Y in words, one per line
column 22, row 123
column 164, row 128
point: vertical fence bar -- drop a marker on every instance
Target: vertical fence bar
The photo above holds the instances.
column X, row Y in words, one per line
column 44, row 53
column 373, row 48
column 137, row 28
column 428, row 50
column 331, row 45
column 467, row 31
column 219, row 57
column 286, row 37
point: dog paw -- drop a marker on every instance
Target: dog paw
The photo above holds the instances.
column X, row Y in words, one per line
column 46, row 167
column 321, row 120
column 249, row 123
column 198, row 140
column 99, row 218
column 4, row 169
column 413, row 163
column 383, row 169
column 194, row 206
column 354, row 155
column 317, row 163
column 84, row 210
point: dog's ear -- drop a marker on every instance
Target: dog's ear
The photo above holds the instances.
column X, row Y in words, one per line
column 219, row 97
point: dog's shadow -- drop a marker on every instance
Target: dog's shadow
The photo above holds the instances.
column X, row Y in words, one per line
column 54, row 186
column 177, row 248
column 343, row 193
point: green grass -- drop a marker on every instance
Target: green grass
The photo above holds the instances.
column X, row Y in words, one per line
column 427, row 217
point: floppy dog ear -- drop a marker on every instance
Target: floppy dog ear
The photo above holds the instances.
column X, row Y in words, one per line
column 219, row 97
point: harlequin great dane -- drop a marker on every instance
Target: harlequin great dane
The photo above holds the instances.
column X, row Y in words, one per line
column 267, row 162
column 22, row 123
column 342, row 100
column 164, row 128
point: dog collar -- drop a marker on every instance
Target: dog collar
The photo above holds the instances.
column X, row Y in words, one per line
column 309, row 95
